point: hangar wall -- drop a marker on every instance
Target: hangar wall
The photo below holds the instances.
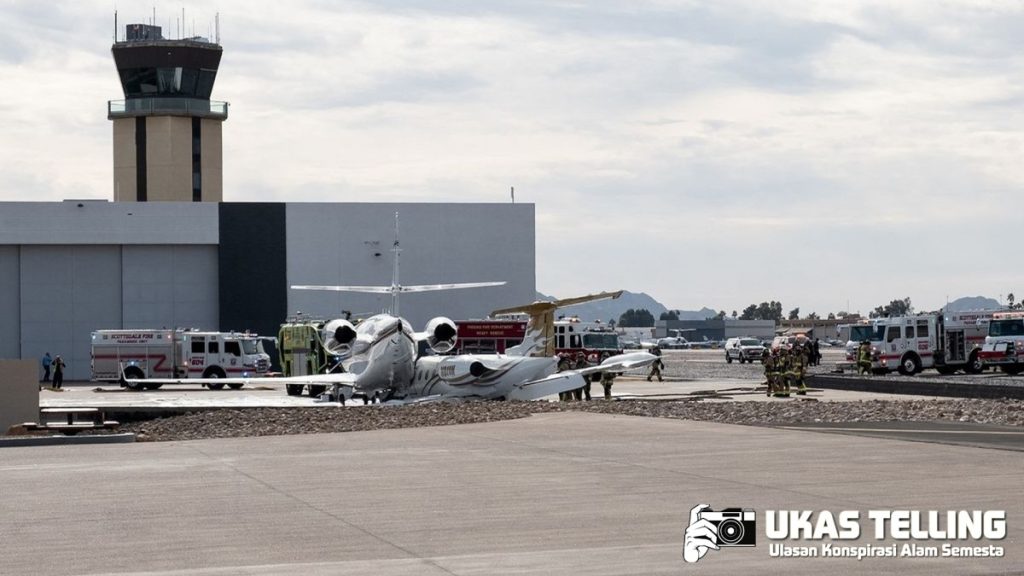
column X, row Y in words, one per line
column 10, row 303
column 350, row 244
column 172, row 286
column 66, row 291
column 99, row 265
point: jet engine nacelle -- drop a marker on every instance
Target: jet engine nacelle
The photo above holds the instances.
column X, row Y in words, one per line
column 441, row 334
column 338, row 336
column 457, row 368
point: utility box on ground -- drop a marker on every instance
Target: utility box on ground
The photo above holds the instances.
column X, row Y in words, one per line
column 19, row 393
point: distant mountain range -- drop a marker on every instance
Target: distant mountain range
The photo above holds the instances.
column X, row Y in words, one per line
column 605, row 310
column 973, row 303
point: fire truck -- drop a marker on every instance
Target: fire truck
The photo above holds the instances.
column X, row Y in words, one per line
column 1004, row 345
column 910, row 344
column 175, row 353
column 302, row 352
column 490, row 336
column 595, row 339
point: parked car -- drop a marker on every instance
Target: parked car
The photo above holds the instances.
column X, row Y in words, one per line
column 743, row 349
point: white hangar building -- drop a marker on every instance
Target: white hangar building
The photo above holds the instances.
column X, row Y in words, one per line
column 68, row 268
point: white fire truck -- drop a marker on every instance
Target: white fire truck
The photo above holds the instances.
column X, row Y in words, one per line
column 1004, row 345
column 175, row 354
column 595, row 339
column 910, row 344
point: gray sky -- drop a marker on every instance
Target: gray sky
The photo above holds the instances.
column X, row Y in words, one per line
column 709, row 153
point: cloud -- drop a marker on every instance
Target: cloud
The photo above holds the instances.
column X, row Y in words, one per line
column 708, row 153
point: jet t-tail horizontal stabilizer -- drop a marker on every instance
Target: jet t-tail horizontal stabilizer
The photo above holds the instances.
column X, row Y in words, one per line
column 541, row 306
column 392, row 289
column 554, row 384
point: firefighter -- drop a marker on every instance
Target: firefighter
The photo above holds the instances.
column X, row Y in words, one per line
column 657, row 366
column 607, row 379
column 769, row 368
column 583, row 391
column 58, row 372
column 564, row 363
column 782, row 373
column 800, row 368
column 864, row 358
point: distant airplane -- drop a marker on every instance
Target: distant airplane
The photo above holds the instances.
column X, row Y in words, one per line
column 676, row 342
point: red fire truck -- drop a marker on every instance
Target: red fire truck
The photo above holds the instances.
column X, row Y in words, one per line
column 491, row 336
column 595, row 339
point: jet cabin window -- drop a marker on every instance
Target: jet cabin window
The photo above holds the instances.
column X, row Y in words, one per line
column 893, row 334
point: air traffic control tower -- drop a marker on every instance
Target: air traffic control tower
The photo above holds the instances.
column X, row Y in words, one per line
column 167, row 131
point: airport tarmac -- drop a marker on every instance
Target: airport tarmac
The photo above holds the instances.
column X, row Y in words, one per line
column 86, row 394
column 564, row 493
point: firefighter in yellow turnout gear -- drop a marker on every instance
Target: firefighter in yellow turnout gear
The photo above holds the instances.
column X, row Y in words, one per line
column 782, row 373
column 768, row 360
column 864, row 358
column 800, row 359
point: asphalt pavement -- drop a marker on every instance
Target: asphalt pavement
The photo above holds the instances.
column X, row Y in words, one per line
column 566, row 493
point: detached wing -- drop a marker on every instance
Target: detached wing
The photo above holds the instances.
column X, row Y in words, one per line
column 341, row 378
column 554, row 384
column 621, row 363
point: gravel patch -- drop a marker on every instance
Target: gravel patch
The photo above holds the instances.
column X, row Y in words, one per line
column 680, row 364
column 230, row 423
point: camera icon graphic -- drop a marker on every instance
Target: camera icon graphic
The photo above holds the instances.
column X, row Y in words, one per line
column 711, row 530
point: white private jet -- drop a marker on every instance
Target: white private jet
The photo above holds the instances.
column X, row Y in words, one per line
column 676, row 342
column 379, row 357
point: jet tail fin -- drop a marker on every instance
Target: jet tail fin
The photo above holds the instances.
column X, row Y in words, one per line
column 540, row 329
